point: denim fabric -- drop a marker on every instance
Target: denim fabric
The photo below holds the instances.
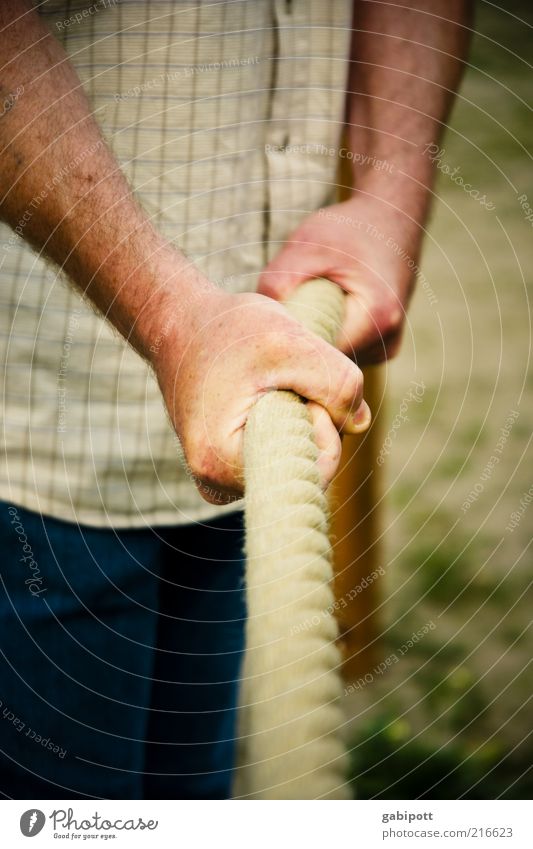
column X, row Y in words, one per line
column 120, row 658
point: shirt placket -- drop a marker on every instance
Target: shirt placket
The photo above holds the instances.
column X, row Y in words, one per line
column 286, row 130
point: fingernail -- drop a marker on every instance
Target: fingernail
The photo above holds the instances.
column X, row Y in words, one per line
column 362, row 418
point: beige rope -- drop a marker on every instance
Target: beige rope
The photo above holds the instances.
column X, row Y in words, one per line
column 294, row 747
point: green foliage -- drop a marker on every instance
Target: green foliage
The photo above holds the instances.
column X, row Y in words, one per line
column 389, row 763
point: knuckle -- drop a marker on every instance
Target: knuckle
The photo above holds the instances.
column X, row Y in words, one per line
column 392, row 317
column 284, row 341
column 278, row 342
column 334, row 453
column 330, row 461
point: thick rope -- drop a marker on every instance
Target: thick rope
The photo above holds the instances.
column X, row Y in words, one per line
column 293, row 742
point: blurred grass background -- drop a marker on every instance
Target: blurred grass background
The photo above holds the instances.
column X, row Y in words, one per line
column 452, row 718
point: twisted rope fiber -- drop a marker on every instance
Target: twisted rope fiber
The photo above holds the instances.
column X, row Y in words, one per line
column 292, row 719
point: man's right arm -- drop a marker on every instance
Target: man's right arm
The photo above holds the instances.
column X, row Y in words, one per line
column 88, row 221
column 61, row 186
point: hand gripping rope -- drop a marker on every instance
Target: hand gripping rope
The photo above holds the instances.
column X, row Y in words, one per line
column 293, row 722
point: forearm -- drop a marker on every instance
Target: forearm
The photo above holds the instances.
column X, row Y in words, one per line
column 407, row 62
column 63, row 191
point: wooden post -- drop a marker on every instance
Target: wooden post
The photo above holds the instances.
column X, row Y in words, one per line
column 356, row 550
column 355, row 524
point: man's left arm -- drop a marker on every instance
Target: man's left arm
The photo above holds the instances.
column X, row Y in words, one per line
column 406, row 64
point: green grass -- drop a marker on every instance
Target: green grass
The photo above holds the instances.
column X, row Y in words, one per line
column 388, row 764
column 445, row 574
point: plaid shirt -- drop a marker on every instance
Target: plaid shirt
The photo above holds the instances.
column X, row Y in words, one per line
column 225, row 117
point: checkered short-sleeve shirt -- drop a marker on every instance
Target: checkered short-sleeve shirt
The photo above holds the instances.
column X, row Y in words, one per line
column 225, row 117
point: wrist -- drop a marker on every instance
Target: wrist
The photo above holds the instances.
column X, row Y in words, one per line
column 387, row 218
column 175, row 302
column 180, row 305
column 147, row 289
column 402, row 184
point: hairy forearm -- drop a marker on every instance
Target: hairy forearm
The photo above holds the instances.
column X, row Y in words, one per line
column 407, row 62
column 62, row 189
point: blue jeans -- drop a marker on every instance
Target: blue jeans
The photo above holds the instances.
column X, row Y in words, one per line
column 120, row 658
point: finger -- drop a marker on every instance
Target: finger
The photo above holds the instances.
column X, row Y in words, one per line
column 359, row 329
column 320, row 373
column 361, row 420
column 372, row 326
column 216, row 495
column 361, row 338
column 384, row 349
column 284, row 273
column 328, row 443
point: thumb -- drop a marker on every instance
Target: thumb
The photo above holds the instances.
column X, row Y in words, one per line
column 284, row 273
